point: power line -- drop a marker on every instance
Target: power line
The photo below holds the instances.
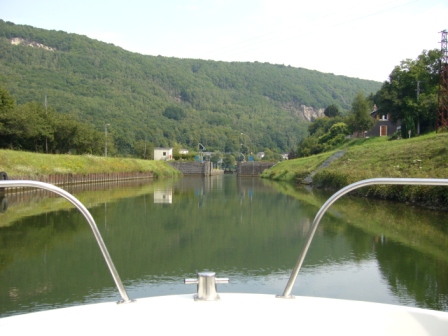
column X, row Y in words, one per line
column 266, row 42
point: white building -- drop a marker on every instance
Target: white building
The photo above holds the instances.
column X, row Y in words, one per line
column 161, row 153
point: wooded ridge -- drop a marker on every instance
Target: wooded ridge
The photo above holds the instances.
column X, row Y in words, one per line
column 162, row 101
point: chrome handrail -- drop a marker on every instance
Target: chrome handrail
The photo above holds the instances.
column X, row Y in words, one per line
column 72, row 199
column 334, row 198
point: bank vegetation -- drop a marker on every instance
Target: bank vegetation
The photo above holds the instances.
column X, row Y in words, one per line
column 420, row 157
column 33, row 165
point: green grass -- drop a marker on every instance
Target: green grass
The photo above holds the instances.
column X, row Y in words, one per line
column 296, row 170
column 25, row 164
column 424, row 157
column 420, row 157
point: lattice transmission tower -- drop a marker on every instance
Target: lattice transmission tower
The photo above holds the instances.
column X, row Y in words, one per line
column 442, row 111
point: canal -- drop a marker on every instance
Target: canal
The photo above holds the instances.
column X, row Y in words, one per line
column 247, row 229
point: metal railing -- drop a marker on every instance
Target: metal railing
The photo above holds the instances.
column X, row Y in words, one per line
column 72, row 199
column 334, row 198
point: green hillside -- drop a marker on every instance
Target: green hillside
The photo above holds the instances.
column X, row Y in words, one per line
column 99, row 83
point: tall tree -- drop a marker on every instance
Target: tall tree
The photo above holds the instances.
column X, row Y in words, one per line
column 359, row 118
column 410, row 94
column 228, row 161
column 6, row 100
column 216, row 157
column 7, row 104
column 144, row 149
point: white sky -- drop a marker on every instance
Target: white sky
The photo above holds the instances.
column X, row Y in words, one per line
column 355, row 38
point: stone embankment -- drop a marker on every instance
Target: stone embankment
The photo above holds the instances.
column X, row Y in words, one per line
column 195, row 168
column 253, row 168
column 206, row 168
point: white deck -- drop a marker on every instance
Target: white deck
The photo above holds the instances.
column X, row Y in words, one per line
column 234, row 314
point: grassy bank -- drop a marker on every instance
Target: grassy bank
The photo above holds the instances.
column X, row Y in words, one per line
column 423, row 157
column 32, row 165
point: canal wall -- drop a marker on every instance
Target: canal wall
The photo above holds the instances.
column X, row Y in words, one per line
column 85, row 178
column 195, row 168
column 254, row 168
column 68, row 179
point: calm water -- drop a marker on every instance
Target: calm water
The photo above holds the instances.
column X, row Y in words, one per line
column 247, row 229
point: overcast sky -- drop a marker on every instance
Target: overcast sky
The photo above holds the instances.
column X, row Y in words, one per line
column 355, row 38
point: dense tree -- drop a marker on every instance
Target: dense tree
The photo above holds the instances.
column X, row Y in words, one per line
column 292, row 154
column 228, row 161
column 309, row 146
column 25, row 127
column 145, row 149
column 99, row 83
column 6, row 100
column 232, row 144
column 334, row 137
column 321, row 125
column 325, row 134
column 33, row 127
column 174, row 112
column 7, row 103
column 216, row 157
column 270, row 155
column 89, row 141
column 410, row 94
column 359, row 117
column 332, row 111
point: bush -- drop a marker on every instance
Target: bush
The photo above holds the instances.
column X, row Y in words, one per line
column 325, row 179
column 395, row 136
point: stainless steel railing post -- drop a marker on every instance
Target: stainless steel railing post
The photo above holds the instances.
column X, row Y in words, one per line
column 72, row 199
column 399, row 181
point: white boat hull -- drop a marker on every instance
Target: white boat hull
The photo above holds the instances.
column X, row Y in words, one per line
column 234, row 314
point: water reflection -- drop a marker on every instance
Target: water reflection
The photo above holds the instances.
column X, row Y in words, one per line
column 3, row 203
column 247, row 229
column 163, row 196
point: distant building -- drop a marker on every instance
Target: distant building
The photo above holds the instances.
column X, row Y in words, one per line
column 163, row 154
column 260, row 155
column 183, row 151
column 383, row 126
column 285, row 156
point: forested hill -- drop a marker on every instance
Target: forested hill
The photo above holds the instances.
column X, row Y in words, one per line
column 168, row 101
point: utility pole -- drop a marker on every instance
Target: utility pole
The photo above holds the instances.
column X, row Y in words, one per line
column 418, row 97
column 105, row 139
column 418, row 90
column 46, row 115
column 442, row 111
